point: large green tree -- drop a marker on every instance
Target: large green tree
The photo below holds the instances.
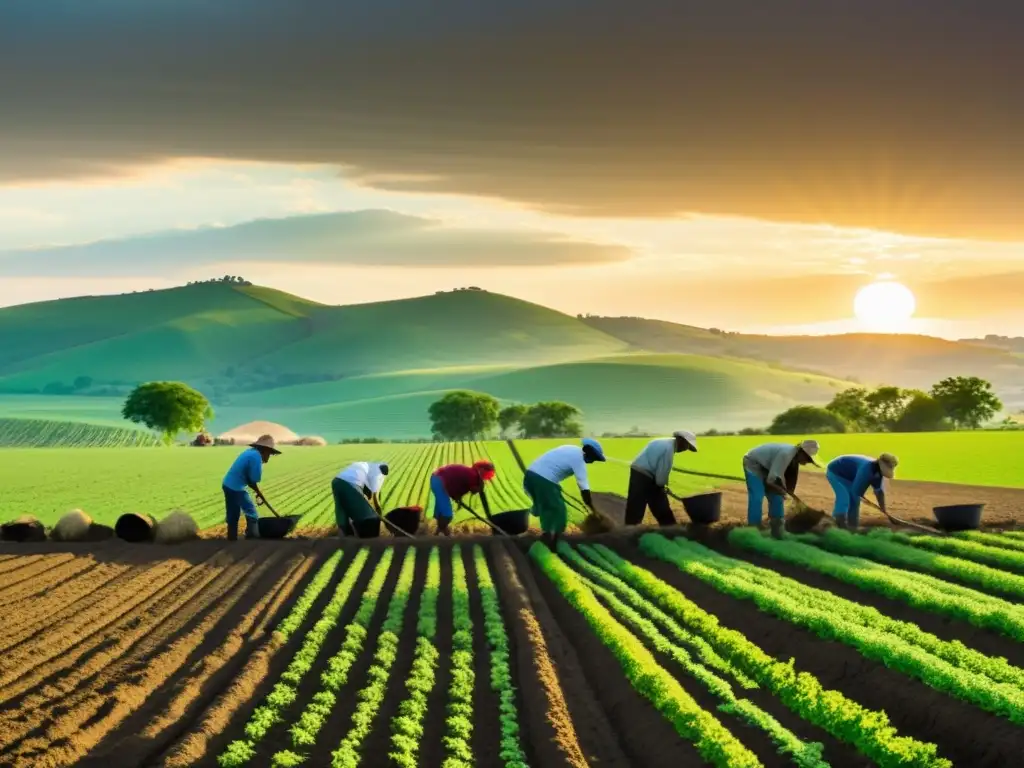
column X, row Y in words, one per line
column 806, row 420
column 463, row 415
column 551, row 419
column 967, row 400
column 885, row 406
column 851, row 406
column 922, row 414
column 168, row 407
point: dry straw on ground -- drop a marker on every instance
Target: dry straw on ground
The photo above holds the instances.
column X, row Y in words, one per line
column 175, row 528
column 74, row 526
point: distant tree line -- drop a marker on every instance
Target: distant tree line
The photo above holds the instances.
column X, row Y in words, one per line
column 229, row 279
column 467, row 415
column 957, row 402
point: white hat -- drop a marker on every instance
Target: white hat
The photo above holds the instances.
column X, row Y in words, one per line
column 810, row 447
column 887, row 463
column 688, row 436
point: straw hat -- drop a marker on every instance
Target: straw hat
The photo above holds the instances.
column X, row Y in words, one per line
column 689, row 437
column 266, row 442
column 887, row 464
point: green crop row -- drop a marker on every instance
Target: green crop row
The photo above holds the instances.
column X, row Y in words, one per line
column 407, row 725
column 951, row 667
column 868, row 730
column 372, row 695
column 312, row 719
column 916, row 589
column 283, row 694
column 712, row 740
column 459, row 724
column 1006, row 539
column 45, row 433
column 297, row 614
column 636, row 611
column 501, row 672
column 875, row 548
column 969, row 550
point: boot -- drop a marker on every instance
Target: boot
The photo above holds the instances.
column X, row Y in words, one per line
column 252, row 529
column 841, row 522
column 778, row 526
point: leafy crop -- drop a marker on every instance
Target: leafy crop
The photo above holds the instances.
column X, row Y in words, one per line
column 501, row 674
column 971, row 550
column 284, row 693
column 407, row 725
column 459, row 724
column 40, row 433
column 804, row 754
column 916, row 589
column 713, row 741
column 951, row 667
column 372, row 695
column 866, row 729
column 1007, row 539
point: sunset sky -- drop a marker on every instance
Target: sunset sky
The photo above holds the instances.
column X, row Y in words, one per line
column 740, row 164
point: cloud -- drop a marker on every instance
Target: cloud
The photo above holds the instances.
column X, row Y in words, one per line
column 369, row 238
column 900, row 115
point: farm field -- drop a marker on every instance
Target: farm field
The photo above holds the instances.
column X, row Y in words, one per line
column 106, row 482
column 640, row 649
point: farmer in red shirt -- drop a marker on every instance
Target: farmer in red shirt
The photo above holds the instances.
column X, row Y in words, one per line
column 454, row 481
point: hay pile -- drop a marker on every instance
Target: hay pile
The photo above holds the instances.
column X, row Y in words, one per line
column 176, row 528
column 248, row 433
column 74, row 526
column 22, row 529
column 311, row 440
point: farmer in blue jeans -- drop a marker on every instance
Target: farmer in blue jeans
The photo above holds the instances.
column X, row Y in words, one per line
column 766, row 469
column 850, row 477
column 246, row 472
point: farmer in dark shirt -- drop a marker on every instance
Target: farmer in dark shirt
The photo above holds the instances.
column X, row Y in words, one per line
column 453, row 483
column 850, row 477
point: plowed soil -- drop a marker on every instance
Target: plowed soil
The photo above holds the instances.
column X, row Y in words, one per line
column 115, row 654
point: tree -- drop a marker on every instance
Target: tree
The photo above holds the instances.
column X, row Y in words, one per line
column 885, row 406
column 169, row 407
column 806, row 420
column 851, row 406
column 551, row 419
column 922, row 414
column 510, row 416
column 463, row 415
column 967, row 400
column 83, row 382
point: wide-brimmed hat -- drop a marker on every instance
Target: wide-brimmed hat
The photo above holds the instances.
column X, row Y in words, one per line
column 810, row 447
column 689, row 437
column 266, row 442
column 887, row 464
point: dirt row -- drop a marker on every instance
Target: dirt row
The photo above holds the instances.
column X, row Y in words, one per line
column 152, row 656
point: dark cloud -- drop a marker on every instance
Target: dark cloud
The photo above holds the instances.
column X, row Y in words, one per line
column 367, row 238
column 898, row 114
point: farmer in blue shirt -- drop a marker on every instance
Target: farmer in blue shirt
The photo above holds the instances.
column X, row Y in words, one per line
column 245, row 473
column 850, row 477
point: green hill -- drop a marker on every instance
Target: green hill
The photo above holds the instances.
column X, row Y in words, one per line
column 372, row 369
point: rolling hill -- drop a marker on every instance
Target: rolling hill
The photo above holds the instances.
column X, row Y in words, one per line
column 372, row 369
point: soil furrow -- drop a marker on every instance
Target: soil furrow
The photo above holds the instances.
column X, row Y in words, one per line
column 432, row 750
column 548, row 733
column 486, row 724
column 28, row 574
column 44, row 583
column 78, row 726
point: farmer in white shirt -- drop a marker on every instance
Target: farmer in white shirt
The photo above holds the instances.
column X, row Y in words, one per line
column 648, row 478
column 772, row 470
column 354, row 489
column 543, row 483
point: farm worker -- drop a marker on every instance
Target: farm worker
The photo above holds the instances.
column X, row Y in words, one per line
column 354, row 489
column 850, row 477
column 543, row 484
column 648, row 478
column 772, row 470
column 246, row 472
column 452, row 483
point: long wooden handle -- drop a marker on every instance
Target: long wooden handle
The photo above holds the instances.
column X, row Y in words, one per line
column 898, row 521
column 481, row 519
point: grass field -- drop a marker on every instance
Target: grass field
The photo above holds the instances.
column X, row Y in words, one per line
column 109, row 481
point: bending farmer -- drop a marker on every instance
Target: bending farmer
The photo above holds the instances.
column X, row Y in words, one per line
column 850, row 476
column 648, row 478
column 543, row 484
column 246, row 472
column 452, row 483
column 772, row 470
column 354, row 489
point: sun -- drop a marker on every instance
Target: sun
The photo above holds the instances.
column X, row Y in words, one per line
column 885, row 305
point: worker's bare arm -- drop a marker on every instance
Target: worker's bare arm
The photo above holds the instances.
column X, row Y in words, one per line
column 880, row 495
column 483, row 502
column 588, row 499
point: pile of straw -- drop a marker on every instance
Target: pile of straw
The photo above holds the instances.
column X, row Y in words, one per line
column 74, row 526
column 176, row 528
